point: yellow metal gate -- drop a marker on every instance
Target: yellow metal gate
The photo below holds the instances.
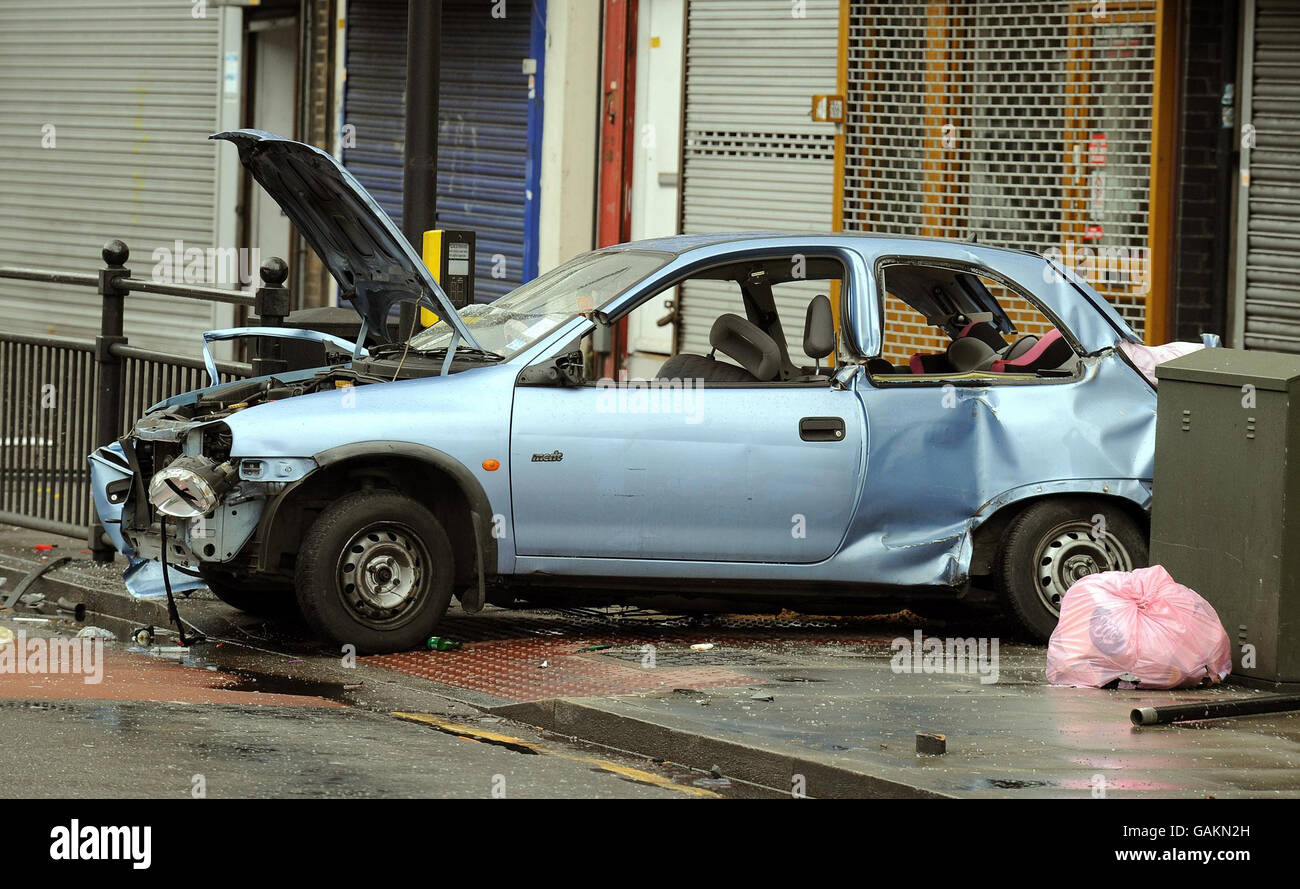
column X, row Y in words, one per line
column 1026, row 125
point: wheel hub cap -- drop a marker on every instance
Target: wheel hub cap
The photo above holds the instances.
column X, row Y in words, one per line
column 381, row 570
column 1071, row 552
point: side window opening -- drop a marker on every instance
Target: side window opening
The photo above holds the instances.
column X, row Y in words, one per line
column 755, row 329
column 947, row 321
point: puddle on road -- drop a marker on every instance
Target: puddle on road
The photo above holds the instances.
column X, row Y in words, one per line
column 797, row 679
column 1013, row 784
column 269, row 683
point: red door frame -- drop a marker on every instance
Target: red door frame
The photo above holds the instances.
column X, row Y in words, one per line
column 618, row 71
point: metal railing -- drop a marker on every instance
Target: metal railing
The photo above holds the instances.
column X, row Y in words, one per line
column 60, row 397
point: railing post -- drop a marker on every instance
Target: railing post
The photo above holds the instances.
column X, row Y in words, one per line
column 108, row 414
column 271, row 303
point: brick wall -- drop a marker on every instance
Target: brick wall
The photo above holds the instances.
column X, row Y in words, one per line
column 318, row 119
column 1201, row 252
column 907, row 332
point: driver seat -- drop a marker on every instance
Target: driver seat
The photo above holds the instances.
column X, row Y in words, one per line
column 742, row 341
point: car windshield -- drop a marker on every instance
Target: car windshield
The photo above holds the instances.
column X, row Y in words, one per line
column 526, row 314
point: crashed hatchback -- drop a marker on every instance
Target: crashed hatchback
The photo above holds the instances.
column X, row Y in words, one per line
column 803, row 459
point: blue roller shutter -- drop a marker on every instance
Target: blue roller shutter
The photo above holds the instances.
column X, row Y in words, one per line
column 488, row 142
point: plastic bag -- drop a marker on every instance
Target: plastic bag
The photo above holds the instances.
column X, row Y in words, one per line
column 1145, row 358
column 1139, row 622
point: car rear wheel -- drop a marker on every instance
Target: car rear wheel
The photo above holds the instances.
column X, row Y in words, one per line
column 251, row 596
column 375, row 570
column 1054, row 543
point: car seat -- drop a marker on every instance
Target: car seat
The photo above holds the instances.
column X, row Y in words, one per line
column 1051, row 352
column 757, row 354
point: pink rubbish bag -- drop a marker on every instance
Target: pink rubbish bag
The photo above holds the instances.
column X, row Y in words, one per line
column 1139, row 622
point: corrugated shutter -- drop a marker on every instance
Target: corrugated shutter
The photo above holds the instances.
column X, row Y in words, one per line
column 374, row 99
column 1272, row 261
column 483, row 138
column 131, row 92
column 753, row 158
column 1027, row 125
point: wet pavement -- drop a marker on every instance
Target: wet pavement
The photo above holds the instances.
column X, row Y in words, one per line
column 814, row 705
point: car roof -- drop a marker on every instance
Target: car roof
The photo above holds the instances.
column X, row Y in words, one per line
column 1072, row 302
column 683, row 244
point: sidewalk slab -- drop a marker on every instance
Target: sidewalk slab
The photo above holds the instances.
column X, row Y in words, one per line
column 849, row 729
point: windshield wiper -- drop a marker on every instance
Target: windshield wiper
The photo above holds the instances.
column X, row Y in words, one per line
column 464, row 351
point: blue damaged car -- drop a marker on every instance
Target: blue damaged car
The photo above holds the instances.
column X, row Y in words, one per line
column 802, row 459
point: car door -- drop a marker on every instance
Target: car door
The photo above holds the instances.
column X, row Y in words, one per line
column 768, row 473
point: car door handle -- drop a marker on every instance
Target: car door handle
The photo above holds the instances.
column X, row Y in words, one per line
column 821, row 429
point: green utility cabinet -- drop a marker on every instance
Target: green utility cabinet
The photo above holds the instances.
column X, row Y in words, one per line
column 1226, row 506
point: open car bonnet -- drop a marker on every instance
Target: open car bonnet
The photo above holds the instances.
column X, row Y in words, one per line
column 373, row 263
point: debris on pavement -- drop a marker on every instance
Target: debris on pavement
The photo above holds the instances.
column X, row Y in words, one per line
column 702, row 646
column 93, row 632
column 1214, row 709
column 13, row 596
column 931, row 744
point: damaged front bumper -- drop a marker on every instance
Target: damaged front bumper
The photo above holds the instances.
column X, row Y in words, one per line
column 131, row 479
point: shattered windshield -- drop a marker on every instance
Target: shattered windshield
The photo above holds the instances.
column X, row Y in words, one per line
column 526, row 314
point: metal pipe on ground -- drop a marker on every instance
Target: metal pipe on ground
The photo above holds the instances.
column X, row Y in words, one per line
column 1214, row 709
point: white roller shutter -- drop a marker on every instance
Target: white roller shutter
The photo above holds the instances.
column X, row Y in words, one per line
column 753, row 158
column 1268, row 265
column 129, row 92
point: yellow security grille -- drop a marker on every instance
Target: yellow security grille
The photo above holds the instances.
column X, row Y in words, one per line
column 1025, row 125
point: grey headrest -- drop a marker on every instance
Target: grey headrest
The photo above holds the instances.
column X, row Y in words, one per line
column 1020, row 347
column 819, row 328
column 748, row 346
column 970, row 353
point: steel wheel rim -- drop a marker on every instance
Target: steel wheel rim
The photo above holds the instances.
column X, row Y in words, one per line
column 382, row 574
column 1071, row 551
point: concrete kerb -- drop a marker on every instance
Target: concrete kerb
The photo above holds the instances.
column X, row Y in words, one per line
column 768, row 768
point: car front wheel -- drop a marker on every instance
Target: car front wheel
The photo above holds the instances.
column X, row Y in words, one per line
column 1054, row 543
column 375, row 570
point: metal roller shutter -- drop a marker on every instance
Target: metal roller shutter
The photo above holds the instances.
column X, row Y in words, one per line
column 484, row 145
column 131, row 92
column 1026, row 125
column 1271, row 266
column 752, row 157
column 374, row 99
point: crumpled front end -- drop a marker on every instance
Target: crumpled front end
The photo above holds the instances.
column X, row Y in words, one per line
column 172, row 483
column 111, row 483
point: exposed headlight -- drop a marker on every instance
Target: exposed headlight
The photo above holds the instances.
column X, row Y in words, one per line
column 190, row 486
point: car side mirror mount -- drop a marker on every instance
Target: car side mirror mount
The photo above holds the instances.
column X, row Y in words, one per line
column 562, row 370
column 844, row 376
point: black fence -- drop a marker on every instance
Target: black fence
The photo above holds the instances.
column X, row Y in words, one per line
column 60, row 398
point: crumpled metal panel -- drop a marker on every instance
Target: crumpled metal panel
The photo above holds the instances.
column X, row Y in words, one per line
column 143, row 577
column 943, row 459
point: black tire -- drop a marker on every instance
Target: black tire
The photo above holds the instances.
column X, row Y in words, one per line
column 375, row 570
column 252, row 596
column 1053, row 543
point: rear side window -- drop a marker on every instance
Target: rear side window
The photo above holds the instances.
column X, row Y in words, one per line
column 927, row 307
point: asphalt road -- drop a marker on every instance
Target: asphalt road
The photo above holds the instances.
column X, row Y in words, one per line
column 89, row 748
column 156, row 727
